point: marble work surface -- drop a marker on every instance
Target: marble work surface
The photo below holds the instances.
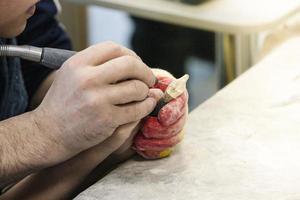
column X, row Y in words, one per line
column 243, row 144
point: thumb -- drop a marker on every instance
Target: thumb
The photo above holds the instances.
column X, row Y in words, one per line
column 157, row 94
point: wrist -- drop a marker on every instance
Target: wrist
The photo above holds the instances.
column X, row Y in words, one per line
column 47, row 134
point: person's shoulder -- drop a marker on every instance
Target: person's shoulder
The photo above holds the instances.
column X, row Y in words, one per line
column 52, row 7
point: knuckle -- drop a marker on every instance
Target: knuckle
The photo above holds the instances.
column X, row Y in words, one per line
column 95, row 47
column 131, row 52
column 72, row 62
column 130, row 62
column 78, row 78
column 110, row 66
column 109, row 43
column 139, row 89
column 84, row 81
column 147, row 108
column 123, row 98
column 135, row 113
column 89, row 100
column 94, row 102
column 132, row 112
column 114, row 47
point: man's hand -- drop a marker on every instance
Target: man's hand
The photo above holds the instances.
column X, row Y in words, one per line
column 64, row 180
column 160, row 134
column 94, row 92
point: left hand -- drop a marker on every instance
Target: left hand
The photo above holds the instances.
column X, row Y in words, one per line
column 128, row 132
column 159, row 135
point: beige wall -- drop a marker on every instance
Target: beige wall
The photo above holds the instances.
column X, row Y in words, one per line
column 75, row 20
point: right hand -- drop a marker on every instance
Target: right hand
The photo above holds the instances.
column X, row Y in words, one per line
column 94, row 92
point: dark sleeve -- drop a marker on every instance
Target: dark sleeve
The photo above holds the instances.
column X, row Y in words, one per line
column 43, row 30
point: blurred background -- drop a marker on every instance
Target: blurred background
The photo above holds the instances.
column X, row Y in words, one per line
column 187, row 49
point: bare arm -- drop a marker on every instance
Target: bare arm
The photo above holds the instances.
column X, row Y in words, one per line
column 78, row 112
column 23, row 149
column 18, row 157
column 62, row 181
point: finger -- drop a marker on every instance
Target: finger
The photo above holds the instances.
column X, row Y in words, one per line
column 162, row 73
column 127, row 92
column 172, row 111
column 125, row 68
column 124, row 135
column 121, row 135
column 101, row 53
column 134, row 111
column 142, row 143
column 157, row 94
column 152, row 128
column 126, row 132
column 132, row 91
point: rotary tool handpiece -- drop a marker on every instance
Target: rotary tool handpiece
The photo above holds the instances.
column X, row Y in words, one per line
column 55, row 58
column 49, row 57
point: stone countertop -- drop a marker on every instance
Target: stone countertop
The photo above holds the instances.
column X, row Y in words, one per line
column 244, row 143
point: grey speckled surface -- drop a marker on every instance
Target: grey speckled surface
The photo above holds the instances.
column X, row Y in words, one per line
column 244, row 143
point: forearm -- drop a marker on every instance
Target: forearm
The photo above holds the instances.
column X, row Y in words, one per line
column 23, row 149
column 62, row 181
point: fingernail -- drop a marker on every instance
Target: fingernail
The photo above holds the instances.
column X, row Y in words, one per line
column 154, row 82
column 156, row 94
column 153, row 100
